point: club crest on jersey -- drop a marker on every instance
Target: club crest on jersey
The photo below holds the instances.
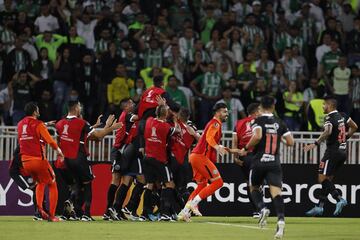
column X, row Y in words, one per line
column 65, row 130
column 153, row 132
column 24, row 127
column 215, row 171
column 216, row 124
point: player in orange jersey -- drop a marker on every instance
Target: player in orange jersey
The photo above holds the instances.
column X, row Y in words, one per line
column 30, row 132
column 203, row 159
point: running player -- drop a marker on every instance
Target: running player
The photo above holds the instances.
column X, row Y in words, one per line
column 74, row 132
column 268, row 131
column 241, row 136
column 30, row 132
column 335, row 155
column 203, row 159
column 157, row 135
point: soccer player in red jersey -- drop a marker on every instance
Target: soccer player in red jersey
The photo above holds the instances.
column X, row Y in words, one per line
column 180, row 144
column 203, row 159
column 241, row 136
column 30, row 132
column 157, row 134
column 74, row 133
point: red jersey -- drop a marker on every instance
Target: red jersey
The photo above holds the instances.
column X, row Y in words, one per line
column 73, row 133
column 180, row 143
column 121, row 132
column 156, row 136
column 133, row 132
column 29, row 139
column 244, row 132
column 148, row 99
column 210, row 137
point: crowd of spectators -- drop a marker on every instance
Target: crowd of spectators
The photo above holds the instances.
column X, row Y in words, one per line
column 235, row 51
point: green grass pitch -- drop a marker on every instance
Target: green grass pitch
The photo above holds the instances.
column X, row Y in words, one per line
column 207, row 228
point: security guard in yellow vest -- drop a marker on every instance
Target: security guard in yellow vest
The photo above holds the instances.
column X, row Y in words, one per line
column 315, row 114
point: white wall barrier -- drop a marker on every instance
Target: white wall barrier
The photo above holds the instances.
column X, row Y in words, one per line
column 100, row 150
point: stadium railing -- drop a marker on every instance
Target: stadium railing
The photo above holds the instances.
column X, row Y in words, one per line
column 100, row 150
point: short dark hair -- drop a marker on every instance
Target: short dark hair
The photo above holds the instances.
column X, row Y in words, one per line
column 184, row 113
column 30, row 108
column 72, row 104
column 332, row 100
column 219, row 106
column 267, row 102
column 252, row 108
column 158, row 80
column 123, row 102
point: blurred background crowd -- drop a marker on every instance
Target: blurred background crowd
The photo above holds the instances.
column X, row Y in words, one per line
column 236, row 51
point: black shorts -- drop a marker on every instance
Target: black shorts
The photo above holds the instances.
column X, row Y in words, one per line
column 155, row 170
column 331, row 162
column 80, row 168
column 245, row 168
column 116, row 158
column 127, row 161
column 272, row 175
column 181, row 173
column 66, row 176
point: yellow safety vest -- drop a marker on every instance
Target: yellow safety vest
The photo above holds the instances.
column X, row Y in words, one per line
column 316, row 106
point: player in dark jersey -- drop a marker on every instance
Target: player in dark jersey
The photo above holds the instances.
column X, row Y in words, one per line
column 241, row 136
column 268, row 131
column 335, row 134
column 74, row 132
column 157, row 134
column 120, row 164
column 180, row 144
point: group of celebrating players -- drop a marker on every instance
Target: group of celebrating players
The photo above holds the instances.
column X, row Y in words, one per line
column 151, row 149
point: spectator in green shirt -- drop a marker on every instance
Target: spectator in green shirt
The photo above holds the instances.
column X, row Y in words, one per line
column 329, row 60
column 149, row 73
column 175, row 93
column 51, row 42
column 208, row 87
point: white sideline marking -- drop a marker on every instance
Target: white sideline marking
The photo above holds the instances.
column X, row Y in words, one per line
column 236, row 225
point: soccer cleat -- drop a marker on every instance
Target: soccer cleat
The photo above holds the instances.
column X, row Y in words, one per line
column 165, row 218
column 86, row 218
column 339, row 206
column 256, row 215
column 280, row 230
column 153, row 217
column 196, row 212
column 315, row 211
column 73, row 217
column 37, row 217
column 264, row 214
column 63, row 218
column 106, row 216
column 43, row 214
column 183, row 216
column 113, row 214
column 54, row 219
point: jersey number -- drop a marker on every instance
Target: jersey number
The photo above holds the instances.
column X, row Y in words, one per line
column 342, row 134
column 271, row 143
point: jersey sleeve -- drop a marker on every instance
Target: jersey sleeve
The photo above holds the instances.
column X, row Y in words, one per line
column 88, row 129
column 129, row 118
column 45, row 135
column 284, row 130
column 347, row 119
column 255, row 124
column 327, row 121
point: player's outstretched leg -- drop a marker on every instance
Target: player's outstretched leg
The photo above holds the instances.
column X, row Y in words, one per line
column 110, row 200
column 280, row 209
column 130, row 209
column 87, row 202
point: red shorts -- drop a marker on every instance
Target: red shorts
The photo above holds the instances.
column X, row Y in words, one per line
column 204, row 169
column 40, row 170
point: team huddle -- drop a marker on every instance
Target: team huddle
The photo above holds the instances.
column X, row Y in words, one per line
column 151, row 152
